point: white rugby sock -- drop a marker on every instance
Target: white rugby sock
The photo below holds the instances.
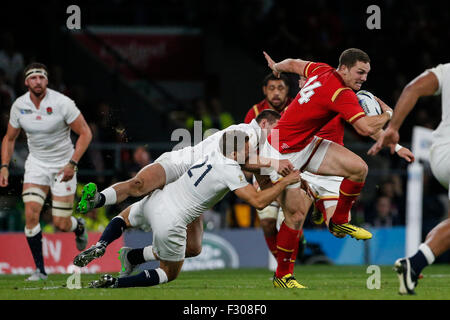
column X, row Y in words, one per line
column 74, row 223
column 148, row 254
column 162, row 275
column 429, row 255
column 110, row 196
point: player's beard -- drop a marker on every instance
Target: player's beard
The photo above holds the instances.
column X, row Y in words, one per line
column 38, row 94
column 278, row 106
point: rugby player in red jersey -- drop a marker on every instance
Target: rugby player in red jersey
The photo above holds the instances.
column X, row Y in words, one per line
column 328, row 92
column 276, row 96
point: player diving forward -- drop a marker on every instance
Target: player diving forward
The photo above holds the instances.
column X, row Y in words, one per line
column 197, row 190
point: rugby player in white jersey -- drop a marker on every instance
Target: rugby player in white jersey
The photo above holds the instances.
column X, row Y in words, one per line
column 168, row 168
column 169, row 211
column 433, row 81
column 47, row 117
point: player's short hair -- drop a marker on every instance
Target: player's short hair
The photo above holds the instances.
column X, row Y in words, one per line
column 271, row 76
column 34, row 65
column 232, row 141
column 350, row 56
column 270, row 115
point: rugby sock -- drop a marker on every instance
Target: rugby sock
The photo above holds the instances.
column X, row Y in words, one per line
column 295, row 252
column 110, row 196
column 272, row 244
column 113, row 231
column 423, row 257
column 148, row 254
column 348, row 192
column 286, row 242
column 136, row 256
column 34, row 239
column 146, row 278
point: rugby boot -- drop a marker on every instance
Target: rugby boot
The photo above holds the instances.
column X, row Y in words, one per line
column 89, row 198
column 94, row 252
column 353, row 231
column 287, row 281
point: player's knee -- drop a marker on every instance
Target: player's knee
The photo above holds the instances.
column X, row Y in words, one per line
column 269, row 227
column 193, row 251
column 360, row 170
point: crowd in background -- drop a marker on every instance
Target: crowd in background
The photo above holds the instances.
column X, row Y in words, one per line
column 325, row 30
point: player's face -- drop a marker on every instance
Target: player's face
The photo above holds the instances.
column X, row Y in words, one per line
column 276, row 93
column 356, row 75
column 37, row 84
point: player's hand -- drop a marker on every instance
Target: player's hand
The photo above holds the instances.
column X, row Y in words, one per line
column 292, row 177
column 406, row 154
column 271, row 65
column 389, row 137
column 67, row 172
column 4, row 174
column 384, row 106
column 284, row 167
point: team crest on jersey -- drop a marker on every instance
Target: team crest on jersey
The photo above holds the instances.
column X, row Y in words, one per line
column 49, row 110
column 38, row 117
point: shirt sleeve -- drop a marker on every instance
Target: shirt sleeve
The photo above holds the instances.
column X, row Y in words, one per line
column 347, row 105
column 70, row 110
column 250, row 115
column 439, row 71
column 313, row 68
column 233, row 177
column 14, row 116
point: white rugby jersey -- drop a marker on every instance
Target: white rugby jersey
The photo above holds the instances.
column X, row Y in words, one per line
column 442, row 132
column 47, row 128
column 202, row 186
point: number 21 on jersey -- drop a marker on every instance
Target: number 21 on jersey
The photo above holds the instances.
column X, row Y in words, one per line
column 198, row 166
column 308, row 90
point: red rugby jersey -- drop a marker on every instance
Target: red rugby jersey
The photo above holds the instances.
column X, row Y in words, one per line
column 258, row 108
column 334, row 130
column 323, row 97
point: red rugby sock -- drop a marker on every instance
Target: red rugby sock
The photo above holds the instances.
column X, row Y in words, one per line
column 286, row 242
column 348, row 192
column 295, row 252
column 272, row 244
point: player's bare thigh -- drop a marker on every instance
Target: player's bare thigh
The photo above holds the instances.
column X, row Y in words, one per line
column 149, row 178
column 339, row 161
column 33, row 208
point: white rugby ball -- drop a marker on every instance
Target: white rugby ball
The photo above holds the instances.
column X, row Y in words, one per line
column 368, row 102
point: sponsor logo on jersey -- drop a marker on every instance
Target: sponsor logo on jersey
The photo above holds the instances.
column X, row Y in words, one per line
column 38, row 117
column 25, row 111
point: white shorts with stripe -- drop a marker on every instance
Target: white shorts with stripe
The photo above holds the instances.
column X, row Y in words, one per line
column 309, row 158
column 45, row 174
column 326, row 188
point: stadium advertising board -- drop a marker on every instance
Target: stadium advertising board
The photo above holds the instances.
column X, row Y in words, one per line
column 58, row 249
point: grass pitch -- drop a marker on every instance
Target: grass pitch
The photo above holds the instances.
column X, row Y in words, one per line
column 323, row 282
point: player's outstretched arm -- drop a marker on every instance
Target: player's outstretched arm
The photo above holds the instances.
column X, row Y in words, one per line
column 8, row 143
column 425, row 84
column 254, row 164
column 262, row 199
column 401, row 151
column 287, row 65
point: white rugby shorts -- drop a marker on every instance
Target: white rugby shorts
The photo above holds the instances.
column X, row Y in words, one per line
column 175, row 163
column 169, row 230
column 45, row 174
column 309, row 158
column 326, row 188
column 440, row 164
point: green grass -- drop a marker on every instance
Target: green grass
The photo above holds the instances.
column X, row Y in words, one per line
column 323, row 282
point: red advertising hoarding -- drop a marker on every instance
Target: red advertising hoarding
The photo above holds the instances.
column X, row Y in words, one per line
column 161, row 53
column 58, row 249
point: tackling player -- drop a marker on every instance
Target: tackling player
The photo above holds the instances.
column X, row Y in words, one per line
column 434, row 81
column 47, row 117
column 198, row 189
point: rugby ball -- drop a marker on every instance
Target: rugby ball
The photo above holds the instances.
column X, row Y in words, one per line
column 368, row 102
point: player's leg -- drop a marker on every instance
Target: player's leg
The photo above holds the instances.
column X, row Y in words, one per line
column 62, row 208
column 339, row 161
column 34, row 196
column 194, row 238
column 149, row 178
column 113, row 231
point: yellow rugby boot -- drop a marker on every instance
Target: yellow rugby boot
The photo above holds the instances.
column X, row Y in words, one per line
column 287, row 281
column 353, row 231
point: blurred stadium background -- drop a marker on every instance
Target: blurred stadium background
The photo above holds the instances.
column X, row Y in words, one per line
column 140, row 69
